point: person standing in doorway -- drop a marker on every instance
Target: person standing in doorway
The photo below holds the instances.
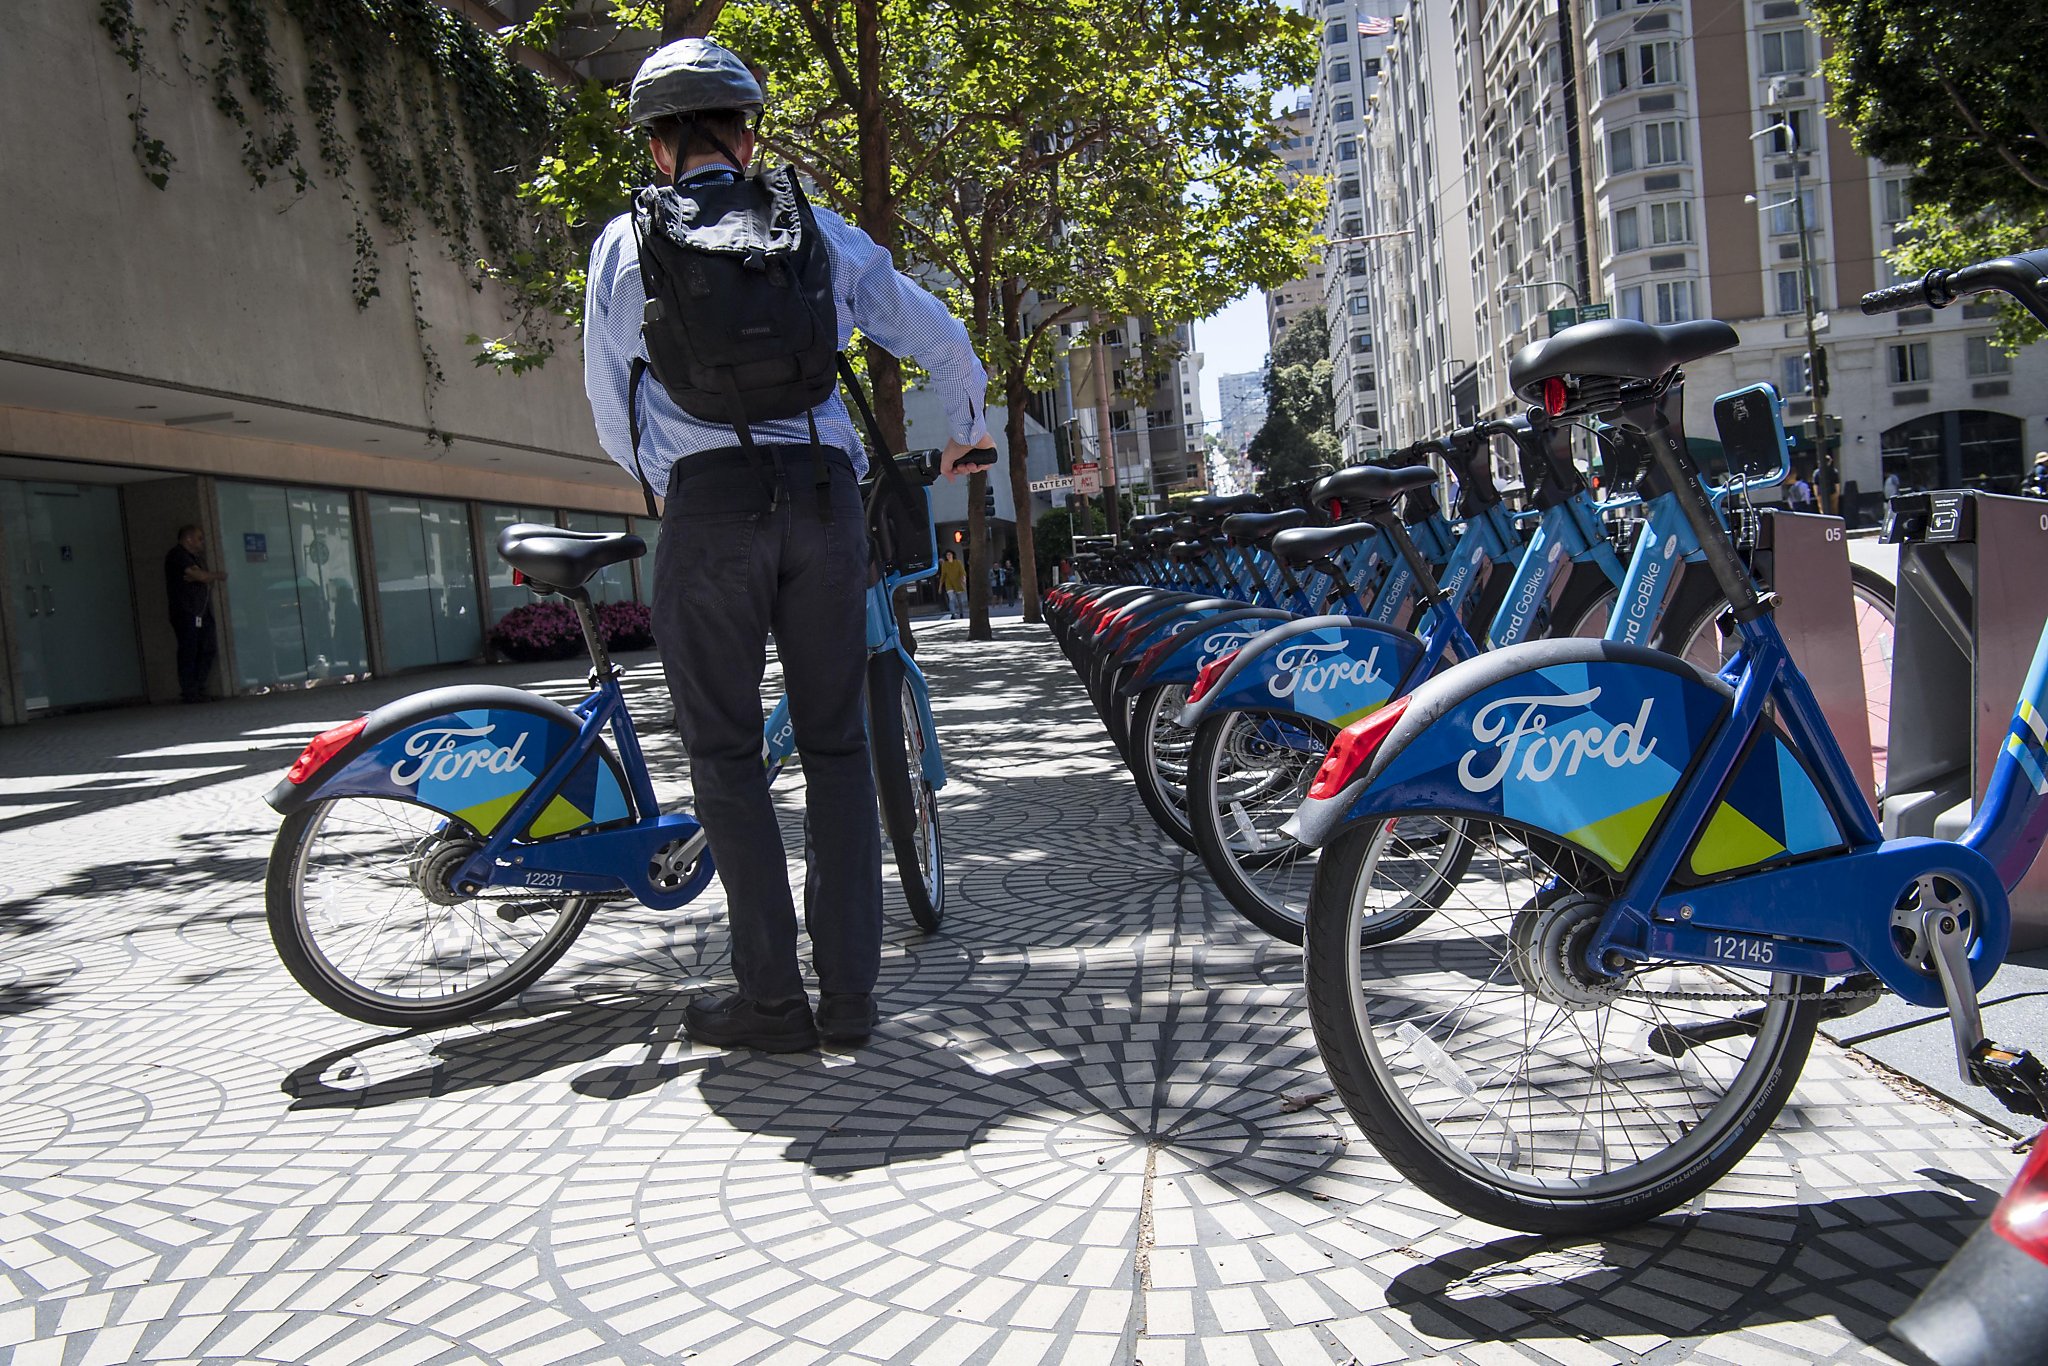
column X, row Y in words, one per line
column 1829, row 481
column 763, row 529
column 188, row 584
column 953, row 582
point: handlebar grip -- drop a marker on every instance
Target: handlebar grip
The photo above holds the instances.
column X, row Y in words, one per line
column 1906, row 294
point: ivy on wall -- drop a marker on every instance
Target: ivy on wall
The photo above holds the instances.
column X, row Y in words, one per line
column 419, row 120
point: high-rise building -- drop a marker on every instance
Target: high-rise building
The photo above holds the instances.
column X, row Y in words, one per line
column 1242, row 399
column 1291, row 300
column 1354, row 36
column 1157, row 440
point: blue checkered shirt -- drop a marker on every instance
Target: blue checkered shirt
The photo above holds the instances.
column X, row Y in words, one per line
column 888, row 308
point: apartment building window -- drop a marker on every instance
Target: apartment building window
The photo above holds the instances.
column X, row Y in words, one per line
column 1359, row 304
column 1785, row 214
column 1372, row 67
column 1908, row 363
column 1627, row 237
column 1671, row 222
column 1361, row 343
column 1348, row 189
column 1800, row 121
column 1344, row 112
column 1663, row 143
column 1161, row 418
column 1347, row 149
column 1120, row 421
column 1787, row 282
column 1355, row 265
column 1674, row 301
column 1336, row 34
column 1614, row 72
column 1657, row 63
column 1621, row 151
column 1340, row 72
column 1114, row 337
column 1792, row 374
column 1985, row 357
column 1629, row 302
column 1898, row 200
column 1353, row 226
column 1362, row 382
column 1785, row 52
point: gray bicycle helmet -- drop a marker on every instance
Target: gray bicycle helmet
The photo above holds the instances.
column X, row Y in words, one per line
column 693, row 74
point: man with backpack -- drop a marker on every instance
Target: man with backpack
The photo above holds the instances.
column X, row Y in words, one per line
column 716, row 311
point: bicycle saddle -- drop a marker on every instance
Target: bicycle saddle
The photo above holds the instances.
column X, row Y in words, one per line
column 1187, row 551
column 1615, row 348
column 1223, row 504
column 1303, row 546
column 1138, row 526
column 1256, row 528
column 556, row 558
column 1373, row 483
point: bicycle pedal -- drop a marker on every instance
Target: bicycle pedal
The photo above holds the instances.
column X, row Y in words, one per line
column 2015, row 1076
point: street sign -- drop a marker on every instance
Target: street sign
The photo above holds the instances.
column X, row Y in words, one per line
column 1561, row 318
column 1087, row 479
column 1052, row 485
column 1593, row 313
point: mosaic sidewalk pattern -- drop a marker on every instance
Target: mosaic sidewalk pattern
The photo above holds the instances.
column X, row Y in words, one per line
column 1092, row 1127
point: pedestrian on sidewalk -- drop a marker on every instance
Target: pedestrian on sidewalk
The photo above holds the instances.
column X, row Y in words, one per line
column 188, row 585
column 953, row 583
column 763, row 529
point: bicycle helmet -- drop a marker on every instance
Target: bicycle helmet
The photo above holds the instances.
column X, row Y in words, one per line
column 693, row 74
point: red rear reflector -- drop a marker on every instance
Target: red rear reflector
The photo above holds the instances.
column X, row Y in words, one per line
column 2022, row 1216
column 324, row 747
column 1208, row 677
column 1353, row 749
column 1336, row 509
column 518, row 577
column 1555, row 396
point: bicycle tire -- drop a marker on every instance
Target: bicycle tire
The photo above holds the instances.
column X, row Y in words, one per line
column 339, row 988
column 1411, row 1114
column 1159, row 751
column 1691, row 615
column 1874, row 634
column 1260, row 884
column 909, row 806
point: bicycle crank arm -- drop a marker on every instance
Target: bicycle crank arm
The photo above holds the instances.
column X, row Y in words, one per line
column 1847, row 997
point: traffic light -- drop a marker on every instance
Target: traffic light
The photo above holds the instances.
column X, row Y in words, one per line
column 988, row 503
column 959, row 537
column 1817, row 371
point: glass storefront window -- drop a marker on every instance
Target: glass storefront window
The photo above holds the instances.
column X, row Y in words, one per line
column 615, row 582
column 294, row 593
column 426, row 581
column 505, row 594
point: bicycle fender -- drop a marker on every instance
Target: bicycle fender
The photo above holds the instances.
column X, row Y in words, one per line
column 1582, row 739
column 1179, row 656
column 1335, row 669
column 470, row 752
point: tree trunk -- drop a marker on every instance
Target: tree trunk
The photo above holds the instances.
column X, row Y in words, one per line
column 1015, row 395
column 1105, row 454
column 977, row 557
column 688, row 18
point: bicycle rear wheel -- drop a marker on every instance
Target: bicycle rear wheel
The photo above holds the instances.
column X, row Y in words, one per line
column 1160, row 746
column 1488, row 1065
column 363, row 918
column 910, row 805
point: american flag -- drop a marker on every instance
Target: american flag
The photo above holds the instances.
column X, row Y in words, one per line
column 1375, row 27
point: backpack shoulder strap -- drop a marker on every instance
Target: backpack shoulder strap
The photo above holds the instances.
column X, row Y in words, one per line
column 633, row 374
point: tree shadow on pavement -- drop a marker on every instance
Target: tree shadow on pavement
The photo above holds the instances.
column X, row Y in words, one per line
column 197, row 883
column 1857, row 1260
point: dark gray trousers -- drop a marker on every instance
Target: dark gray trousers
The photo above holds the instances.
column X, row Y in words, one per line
column 726, row 572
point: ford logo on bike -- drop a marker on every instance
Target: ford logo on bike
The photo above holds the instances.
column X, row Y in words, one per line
column 1303, row 668
column 1515, row 733
column 433, row 754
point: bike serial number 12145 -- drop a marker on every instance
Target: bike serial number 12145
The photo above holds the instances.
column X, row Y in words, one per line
column 1732, row 948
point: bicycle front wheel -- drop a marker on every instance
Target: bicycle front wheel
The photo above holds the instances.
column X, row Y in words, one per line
column 1495, row 1071
column 364, row 919
column 910, row 805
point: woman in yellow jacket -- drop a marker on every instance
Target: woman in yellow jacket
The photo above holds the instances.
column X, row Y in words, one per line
column 953, row 583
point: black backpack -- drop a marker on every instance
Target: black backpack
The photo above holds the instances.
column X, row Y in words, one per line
column 740, row 322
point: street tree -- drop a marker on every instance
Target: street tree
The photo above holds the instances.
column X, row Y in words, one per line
column 1299, row 438
column 1960, row 94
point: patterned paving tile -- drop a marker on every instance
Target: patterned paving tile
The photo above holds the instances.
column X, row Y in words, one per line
column 1092, row 1126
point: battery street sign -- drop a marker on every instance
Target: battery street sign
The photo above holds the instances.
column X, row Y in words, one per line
column 1052, row 485
column 1561, row 318
column 1593, row 313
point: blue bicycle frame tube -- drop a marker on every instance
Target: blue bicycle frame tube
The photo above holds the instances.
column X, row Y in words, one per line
column 2009, row 827
column 1665, row 540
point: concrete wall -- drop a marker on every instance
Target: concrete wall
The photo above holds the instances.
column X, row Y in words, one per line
column 216, row 284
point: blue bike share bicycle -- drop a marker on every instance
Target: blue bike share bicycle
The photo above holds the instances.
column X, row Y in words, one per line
column 441, row 853
column 1673, row 874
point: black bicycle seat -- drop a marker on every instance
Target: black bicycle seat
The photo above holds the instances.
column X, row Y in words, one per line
column 1138, row 526
column 1615, row 348
column 1223, row 504
column 1256, row 528
column 1160, row 537
column 554, row 557
column 1186, row 551
column 1305, row 545
column 1373, row 483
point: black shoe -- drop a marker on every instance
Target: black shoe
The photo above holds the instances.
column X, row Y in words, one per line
column 734, row 1021
column 846, row 1017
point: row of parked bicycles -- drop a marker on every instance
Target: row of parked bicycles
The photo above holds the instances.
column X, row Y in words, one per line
column 1576, row 860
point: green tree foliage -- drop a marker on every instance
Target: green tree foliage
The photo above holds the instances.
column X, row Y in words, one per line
column 1299, row 437
column 1959, row 93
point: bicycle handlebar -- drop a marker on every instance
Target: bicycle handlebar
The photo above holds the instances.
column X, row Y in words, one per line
column 2023, row 275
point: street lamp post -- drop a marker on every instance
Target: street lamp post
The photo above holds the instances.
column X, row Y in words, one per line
column 1816, row 374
